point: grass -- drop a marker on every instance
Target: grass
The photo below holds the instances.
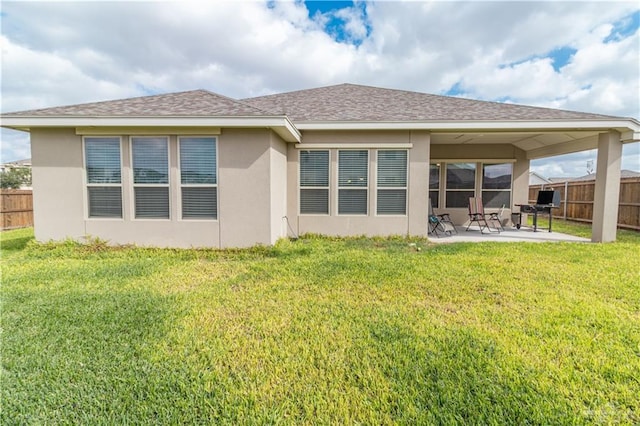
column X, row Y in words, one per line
column 581, row 229
column 322, row 330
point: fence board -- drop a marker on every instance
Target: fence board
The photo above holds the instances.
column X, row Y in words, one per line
column 16, row 208
column 577, row 202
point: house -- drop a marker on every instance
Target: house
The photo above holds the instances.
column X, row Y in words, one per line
column 197, row 169
column 537, row 179
column 624, row 174
column 19, row 165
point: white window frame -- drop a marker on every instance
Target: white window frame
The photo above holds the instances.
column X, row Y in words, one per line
column 88, row 185
column 393, row 188
column 198, row 185
column 150, row 185
column 361, row 188
column 327, row 187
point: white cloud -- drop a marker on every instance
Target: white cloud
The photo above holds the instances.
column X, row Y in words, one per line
column 35, row 79
column 57, row 53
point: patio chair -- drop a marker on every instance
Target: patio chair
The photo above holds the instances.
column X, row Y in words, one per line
column 440, row 223
column 478, row 215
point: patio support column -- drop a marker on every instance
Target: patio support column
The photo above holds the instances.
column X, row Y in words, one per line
column 520, row 188
column 418, row 196
column 607, row 188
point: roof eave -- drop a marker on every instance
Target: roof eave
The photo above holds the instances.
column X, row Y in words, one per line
column 629, row 128
column 281, row 125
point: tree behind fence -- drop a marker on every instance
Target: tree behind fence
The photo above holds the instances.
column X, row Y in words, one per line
column 577, row 201
column 16, row 208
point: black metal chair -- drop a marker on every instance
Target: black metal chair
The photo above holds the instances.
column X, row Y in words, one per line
column 440, row 223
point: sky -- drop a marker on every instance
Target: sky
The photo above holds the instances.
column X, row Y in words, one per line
column 580, row 56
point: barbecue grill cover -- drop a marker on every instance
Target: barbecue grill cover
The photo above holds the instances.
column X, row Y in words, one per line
column 548, row 197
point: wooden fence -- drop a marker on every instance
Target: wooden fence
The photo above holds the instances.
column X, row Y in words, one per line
column 16, row 208
column 577, row 201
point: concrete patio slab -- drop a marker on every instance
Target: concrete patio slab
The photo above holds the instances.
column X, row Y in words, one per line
column 509, row 235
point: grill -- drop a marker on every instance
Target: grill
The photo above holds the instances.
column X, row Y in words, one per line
column 546, row 201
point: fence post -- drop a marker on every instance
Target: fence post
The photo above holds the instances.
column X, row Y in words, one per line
column 566, row 198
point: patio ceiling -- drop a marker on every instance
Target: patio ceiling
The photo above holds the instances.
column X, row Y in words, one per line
column 535, row 144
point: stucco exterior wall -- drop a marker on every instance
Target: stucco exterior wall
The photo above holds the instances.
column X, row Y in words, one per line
column 250, row 205
column 473, row 152
column 278, row 170
column 58, row 184
column 520, row 187
column 419, row 183
column 258, row 189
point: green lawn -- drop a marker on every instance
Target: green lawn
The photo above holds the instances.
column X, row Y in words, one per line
column 372, row 331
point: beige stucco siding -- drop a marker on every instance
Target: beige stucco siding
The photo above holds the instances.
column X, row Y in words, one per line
column 278, row 187
column 58, row 184
column 363, row 137
column 419, row 183
column 251, row 194
column 247, row 197
column 473, row 152
column 258, row 188
column 520, row 188
column 156, row 233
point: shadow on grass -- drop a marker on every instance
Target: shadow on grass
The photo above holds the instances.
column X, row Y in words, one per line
column 80, row 346
column 15, row 240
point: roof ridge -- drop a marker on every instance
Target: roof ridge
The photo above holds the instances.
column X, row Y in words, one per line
column 240, row 101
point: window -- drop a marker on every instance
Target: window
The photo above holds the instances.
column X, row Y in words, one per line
column 198, row 178
column 353, row 169
column 434, row 185
column 461, row 183
column 104, row 176
column 314, row 182
column 392, row 182
column 150, row 177
column 496, row 185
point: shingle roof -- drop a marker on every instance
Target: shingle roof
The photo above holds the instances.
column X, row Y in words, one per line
column 624, row 174
column 351, row 102
column 192, row 103
column 344, row 102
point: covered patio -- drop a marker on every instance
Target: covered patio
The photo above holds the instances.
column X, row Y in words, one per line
column 535, row 139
